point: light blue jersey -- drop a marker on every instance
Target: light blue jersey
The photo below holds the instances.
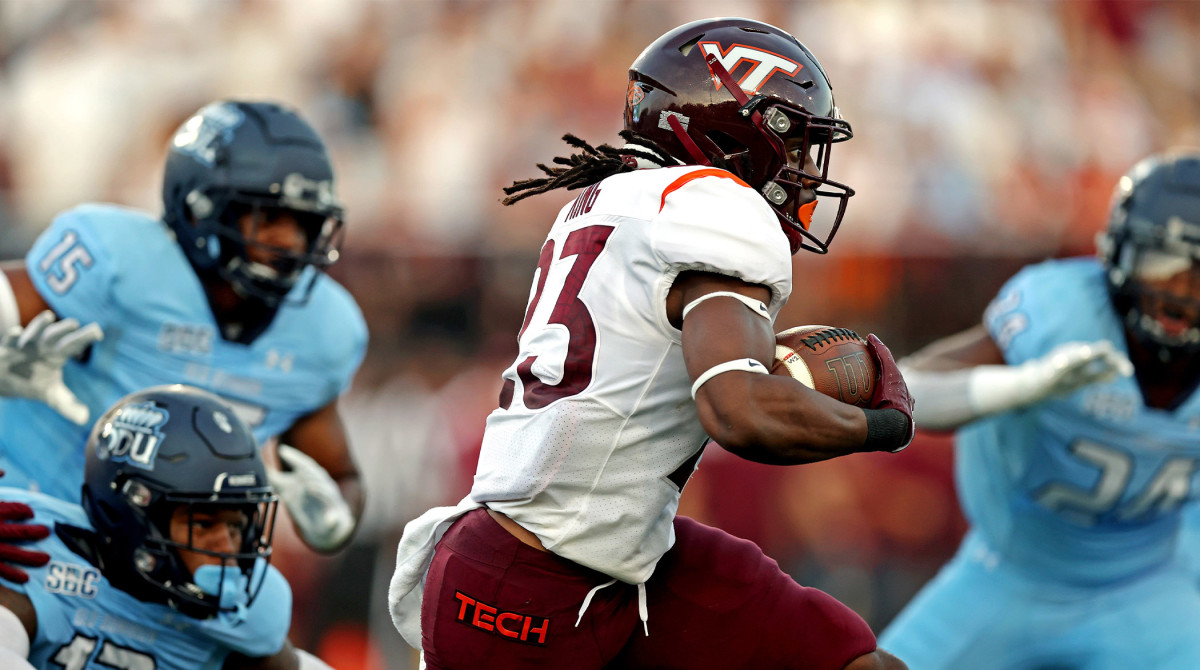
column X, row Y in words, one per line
column 1072, row 502
column 123, row 269
column 86, row 623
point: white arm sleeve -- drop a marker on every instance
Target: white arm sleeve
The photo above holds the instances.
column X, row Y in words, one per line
column 949, row 399
column 14, row 641
column 310, row 662
column 11, row 661
column 10, row 314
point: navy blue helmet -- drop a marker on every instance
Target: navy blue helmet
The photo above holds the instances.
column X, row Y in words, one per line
column 165, row 449
column 1154, row 235
column 233, row 158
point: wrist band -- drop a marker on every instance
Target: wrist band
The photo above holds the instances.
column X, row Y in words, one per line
column 745, row 364
column 756, row 306
column 887, row 430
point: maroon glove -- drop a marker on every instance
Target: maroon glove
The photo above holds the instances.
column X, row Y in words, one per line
column 890, row 390
column 12, row 531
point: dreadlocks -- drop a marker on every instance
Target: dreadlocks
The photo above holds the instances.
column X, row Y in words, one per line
column 588, row 166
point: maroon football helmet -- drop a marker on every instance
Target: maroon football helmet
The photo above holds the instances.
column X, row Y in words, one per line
column 743, row 95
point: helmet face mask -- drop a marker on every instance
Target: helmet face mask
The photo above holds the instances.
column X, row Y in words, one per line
column 744, row 96
column 265, row 271
column 1151, row 252
column 233, row 158
column 165, row 469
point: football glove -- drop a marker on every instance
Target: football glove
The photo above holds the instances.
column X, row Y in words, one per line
column 13, row 532
column 313, row 499
column 32, row 359
column 1071, row 366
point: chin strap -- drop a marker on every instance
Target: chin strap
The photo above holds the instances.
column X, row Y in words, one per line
column 722, row 75
column 688, row 142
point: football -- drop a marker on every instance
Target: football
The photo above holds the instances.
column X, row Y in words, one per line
column 834, row 361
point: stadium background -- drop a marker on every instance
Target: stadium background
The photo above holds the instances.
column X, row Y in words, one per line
column 988, row 134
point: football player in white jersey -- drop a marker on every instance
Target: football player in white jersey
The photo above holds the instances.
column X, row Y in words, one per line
column 224, row 291
column 649, row 330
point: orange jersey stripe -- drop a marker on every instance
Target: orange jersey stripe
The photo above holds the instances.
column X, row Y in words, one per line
column 707, row 172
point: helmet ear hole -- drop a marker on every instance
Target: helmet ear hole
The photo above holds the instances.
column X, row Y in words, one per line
column 111, row 516
column 725, row 142
column 736, row 157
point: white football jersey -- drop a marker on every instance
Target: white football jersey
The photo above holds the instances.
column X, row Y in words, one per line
column 598, row 433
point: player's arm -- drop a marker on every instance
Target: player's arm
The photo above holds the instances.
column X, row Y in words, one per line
column 963, row 377
column 288, row 658
column 319, row 481
column 762, row 417
column 25, row 301
column 18, row 625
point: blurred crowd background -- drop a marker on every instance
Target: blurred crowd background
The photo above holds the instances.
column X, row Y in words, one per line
column 988, row 134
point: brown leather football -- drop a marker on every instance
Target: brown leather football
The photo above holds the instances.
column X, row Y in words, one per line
column 834, row 361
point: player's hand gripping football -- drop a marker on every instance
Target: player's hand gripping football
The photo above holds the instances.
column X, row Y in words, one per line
column 14, row 531
column 890, row 390
column 32, row 359
column 1071, row 366
column 313, row 499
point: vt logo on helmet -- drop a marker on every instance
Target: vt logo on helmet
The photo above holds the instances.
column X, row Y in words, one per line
column 763, row 64
column 749, row 98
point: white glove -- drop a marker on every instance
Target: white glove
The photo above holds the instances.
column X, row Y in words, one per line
column 949, row 399
column 313, row 499
column 1068, row 367
column 32, row 359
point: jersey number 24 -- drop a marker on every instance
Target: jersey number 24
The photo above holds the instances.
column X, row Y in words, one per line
column 1166, row 490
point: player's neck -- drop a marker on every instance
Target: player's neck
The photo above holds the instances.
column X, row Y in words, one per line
column 240, row 319
column 1165, row 384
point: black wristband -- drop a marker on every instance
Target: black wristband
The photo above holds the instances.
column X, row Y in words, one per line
column 887, row 430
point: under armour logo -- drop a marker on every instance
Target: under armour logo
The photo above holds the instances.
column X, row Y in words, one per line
column 763, row 64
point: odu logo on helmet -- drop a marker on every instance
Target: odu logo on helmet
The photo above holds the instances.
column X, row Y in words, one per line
column 133, row 435
column 198, row 134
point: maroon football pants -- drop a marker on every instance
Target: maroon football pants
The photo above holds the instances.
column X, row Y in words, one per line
column 715, row 601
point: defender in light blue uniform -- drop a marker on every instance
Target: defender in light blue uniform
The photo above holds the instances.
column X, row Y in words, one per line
column 1075, row 498
column 124, row 270
column 85, row 622
column 164, row 565
column 224, row 291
